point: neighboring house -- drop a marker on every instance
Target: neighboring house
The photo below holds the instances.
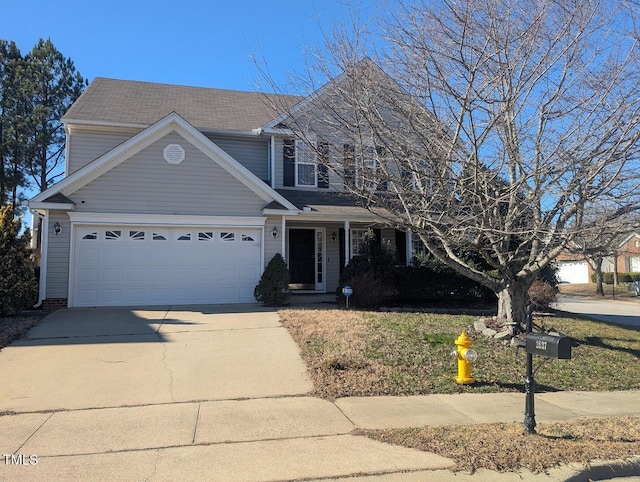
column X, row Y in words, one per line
column 573, row 268
column 182, row 195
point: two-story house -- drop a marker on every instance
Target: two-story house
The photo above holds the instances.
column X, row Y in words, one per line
column 182, row 195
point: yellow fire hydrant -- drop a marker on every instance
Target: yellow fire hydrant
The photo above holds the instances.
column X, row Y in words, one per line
column 466, row 356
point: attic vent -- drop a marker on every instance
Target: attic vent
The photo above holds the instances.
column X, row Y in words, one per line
column 174, row 154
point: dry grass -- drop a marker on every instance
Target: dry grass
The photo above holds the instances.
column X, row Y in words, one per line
column 357, row 353
column 13, row 327
column 504, row 447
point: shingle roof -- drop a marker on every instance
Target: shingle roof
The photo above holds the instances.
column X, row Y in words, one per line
column 125, row 102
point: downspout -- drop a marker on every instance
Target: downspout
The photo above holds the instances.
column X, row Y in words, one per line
column 272, row 166
column 44, row 245
column 347, row 251
column 409, row 247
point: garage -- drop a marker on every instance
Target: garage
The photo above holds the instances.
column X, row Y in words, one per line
column 573, row 272
column 143, row 265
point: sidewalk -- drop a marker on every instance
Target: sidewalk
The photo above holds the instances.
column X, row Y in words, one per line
column 291, row 438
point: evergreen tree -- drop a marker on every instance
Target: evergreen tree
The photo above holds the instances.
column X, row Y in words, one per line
column 53, row 85
column 18, row 285
column 12, row 127
column 273, row 288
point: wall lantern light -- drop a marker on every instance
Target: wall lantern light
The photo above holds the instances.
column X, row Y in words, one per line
column 333, row 236
column 57, row 228
column 274, row 232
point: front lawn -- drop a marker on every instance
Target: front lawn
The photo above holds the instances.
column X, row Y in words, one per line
column 354, row 353
column 358, row 353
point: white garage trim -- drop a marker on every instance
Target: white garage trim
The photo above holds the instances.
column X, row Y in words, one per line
column 165, row 220
column 202, row 228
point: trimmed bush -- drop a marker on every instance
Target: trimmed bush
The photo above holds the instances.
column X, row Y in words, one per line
column 542, row 294
column 273, row 287
column 607, row 277
column 18, row 284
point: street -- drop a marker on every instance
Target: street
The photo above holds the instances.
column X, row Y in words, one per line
column 625, row 312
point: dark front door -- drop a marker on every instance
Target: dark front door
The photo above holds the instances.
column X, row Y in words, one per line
column 302, row 248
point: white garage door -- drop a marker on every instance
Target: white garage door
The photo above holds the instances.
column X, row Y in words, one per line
column 573, row 272
column 128, row 266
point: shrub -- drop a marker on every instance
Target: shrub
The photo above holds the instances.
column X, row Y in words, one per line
column 18, row 285
column 369, row 291
column 273, row 287
column 607, row 277
column 369, row 275
column 542, row 294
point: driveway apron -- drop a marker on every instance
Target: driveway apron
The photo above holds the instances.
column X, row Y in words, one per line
column 111, row 357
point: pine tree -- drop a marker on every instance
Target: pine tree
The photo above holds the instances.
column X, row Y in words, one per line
column 18, row 285
column 53, row 84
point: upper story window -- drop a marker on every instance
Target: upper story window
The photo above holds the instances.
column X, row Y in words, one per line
column 305, row 163
column 363, row 169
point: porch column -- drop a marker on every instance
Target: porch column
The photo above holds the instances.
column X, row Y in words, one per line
column 283, row 247
column 347, row 251
column 409, row 250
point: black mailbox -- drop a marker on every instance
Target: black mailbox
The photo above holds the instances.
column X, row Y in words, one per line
column 550, row 346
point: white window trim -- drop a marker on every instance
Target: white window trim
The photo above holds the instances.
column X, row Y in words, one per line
column 356, row 241
column 301, row 147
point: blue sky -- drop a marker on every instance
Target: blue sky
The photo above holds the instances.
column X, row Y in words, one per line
column 188, row 42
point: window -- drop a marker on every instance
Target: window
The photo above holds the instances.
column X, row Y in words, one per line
column 136, row 235
column 185, row 237
column 205, row 236
column 93, row 235
column 112, row 235
column 417, row 246
column 227, row 236
column 349, row 166
column 357, row 240
column 306, row 165
column 374, row 167
column 247, row 238
column 158, row 237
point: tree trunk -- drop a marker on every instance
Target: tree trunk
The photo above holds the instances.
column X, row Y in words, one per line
column 512, row 304
column 599, row 278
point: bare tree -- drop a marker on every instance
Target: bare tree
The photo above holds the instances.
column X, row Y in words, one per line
column 600, row 238
column 486, row 127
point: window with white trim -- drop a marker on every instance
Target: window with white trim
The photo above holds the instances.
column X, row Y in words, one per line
column 306, row 165
column 417, row 246
column 357, row 240
column 112, row 234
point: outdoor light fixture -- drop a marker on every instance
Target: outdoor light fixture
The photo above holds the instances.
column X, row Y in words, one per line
column 57, row 228
column 274, row 232
column 333, row 236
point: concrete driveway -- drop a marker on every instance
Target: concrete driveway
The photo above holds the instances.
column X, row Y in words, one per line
column 188, row 393
column 108, row 357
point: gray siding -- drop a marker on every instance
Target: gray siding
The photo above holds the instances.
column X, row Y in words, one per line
column 58, row 256
column 251, row 153
column 272, row 246
column 85, row 146
column 146, row 183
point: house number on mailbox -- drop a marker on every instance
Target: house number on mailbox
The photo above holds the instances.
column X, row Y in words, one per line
column 541, row 345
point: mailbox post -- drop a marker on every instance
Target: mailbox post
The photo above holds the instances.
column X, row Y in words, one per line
column 548, row 346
